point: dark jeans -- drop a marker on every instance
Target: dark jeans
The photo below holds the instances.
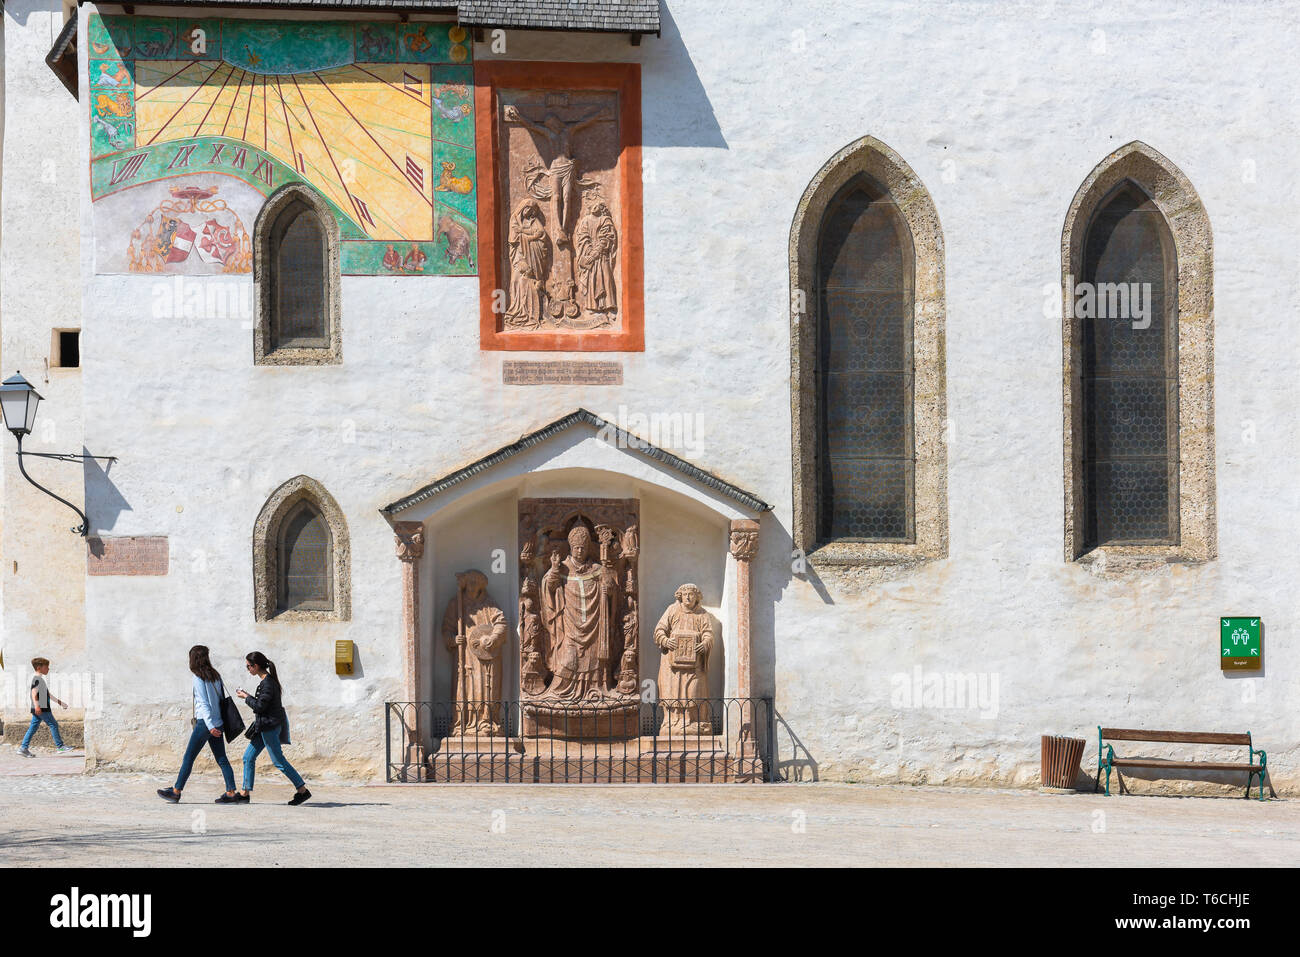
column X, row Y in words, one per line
column 198, row 737
column 47, row 716
column 270, row 740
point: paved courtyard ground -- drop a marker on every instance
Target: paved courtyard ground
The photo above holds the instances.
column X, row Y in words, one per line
column 116, row 820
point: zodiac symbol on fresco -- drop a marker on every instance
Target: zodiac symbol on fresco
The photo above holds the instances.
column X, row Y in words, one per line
column 453, row 113
column 118, row 134
column 119, row 78
column 453, row 184
column 118, row 104
column 413, row 262
column 458, row 240
column 417, row 42
column 372, row 46
column 159, row 44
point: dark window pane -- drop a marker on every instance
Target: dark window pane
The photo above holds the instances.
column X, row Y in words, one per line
column 865, row 375
column 1130, row 374
column 305, row 562
column 69, row 349
column 300, row 280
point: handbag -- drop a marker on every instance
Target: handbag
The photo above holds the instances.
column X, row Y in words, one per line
column 232, row 722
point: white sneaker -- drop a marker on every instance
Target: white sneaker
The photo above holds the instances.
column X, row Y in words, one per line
column 65, row 749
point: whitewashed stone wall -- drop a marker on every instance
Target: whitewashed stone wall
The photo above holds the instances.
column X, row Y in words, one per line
column 1002, row 109
column 42, row 565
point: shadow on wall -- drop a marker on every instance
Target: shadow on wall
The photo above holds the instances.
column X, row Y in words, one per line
column 793, row 762
column 104, row 503
column 685, row 116
column 792, row 759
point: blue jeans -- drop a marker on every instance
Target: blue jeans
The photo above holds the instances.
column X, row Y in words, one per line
column 270, row 740
column 47, row 716
column 199, row 737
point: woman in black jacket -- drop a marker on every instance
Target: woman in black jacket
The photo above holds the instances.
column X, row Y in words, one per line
column 270, row 727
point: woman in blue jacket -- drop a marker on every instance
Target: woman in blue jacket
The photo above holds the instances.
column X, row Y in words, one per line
column 208, row 692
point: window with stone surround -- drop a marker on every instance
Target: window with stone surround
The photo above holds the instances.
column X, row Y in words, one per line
column 301, row 556
column 868, row 402
column 1137, row 265
column 296, row 269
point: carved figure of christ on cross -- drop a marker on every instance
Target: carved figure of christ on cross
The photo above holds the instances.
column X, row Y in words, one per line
column 558, row 134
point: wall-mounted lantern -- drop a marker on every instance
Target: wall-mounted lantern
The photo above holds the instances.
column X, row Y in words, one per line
column 18, row 402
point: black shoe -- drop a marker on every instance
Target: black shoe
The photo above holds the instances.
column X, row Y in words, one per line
column 227, row 799
column 242, row 798
column 168, row 795
column 299, row 797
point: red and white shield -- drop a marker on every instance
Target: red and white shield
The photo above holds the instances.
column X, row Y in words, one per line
column 216, row 243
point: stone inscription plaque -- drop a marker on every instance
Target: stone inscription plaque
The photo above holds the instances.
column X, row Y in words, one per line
column 561, row 372
column 127, row 555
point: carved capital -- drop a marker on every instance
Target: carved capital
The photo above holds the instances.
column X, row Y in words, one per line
column 410, row 540
column 744, row 540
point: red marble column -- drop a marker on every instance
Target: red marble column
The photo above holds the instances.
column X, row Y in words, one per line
column 744, row 546
column 410, row 548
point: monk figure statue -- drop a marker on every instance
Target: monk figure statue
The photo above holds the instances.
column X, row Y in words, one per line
column 685, row 636
column 474, row 629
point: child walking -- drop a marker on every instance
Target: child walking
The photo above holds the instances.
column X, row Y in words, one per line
column 41, row 710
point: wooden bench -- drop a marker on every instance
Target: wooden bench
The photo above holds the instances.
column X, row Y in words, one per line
column 1106, row 755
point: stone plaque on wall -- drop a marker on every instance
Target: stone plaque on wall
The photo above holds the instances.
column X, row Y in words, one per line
column 127, row 555
column 561, row 372
column 561, row 259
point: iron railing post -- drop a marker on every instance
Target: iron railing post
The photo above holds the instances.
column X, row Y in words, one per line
column 388, row 742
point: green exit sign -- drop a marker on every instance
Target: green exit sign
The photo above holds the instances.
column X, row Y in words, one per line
column 1240, row 647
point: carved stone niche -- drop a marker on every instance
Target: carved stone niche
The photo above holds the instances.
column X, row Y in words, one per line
column 578, row 623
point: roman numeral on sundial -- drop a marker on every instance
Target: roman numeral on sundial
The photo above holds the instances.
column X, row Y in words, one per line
column 263, row 171
column 182, row 157
column 127, row 168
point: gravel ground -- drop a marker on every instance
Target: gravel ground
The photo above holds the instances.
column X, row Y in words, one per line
column 116, row 820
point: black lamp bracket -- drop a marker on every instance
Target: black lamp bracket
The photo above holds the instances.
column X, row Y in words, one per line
column 62, row 457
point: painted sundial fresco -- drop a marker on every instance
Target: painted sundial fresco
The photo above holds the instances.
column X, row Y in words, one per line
column 193, row 123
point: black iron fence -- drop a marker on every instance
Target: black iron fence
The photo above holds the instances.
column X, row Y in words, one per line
column 709, row 740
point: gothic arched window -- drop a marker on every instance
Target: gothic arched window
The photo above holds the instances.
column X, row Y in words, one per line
column 1137, row 271
column 864, row 366
column 298, row 277
column 296, row 267
column 305, row 557
column 868, row 375
column 301, row 556
column 1130, row 373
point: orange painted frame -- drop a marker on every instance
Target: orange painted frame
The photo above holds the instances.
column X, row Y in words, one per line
column 625, row 79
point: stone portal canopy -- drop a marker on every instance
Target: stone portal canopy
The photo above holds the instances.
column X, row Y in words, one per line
column 583, row 439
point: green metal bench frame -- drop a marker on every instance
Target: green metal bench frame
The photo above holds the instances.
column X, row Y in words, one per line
column 1106, row 760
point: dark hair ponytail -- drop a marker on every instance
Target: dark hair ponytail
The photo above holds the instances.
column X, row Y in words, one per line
column 263, row 663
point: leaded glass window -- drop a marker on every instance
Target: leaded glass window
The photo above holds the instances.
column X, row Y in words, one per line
column 866, row 459
column 298, row 274
column 305, row 560
column 1130, row 373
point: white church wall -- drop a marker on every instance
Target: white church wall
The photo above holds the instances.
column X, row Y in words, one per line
column 42, row 565
column 1002, row 115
